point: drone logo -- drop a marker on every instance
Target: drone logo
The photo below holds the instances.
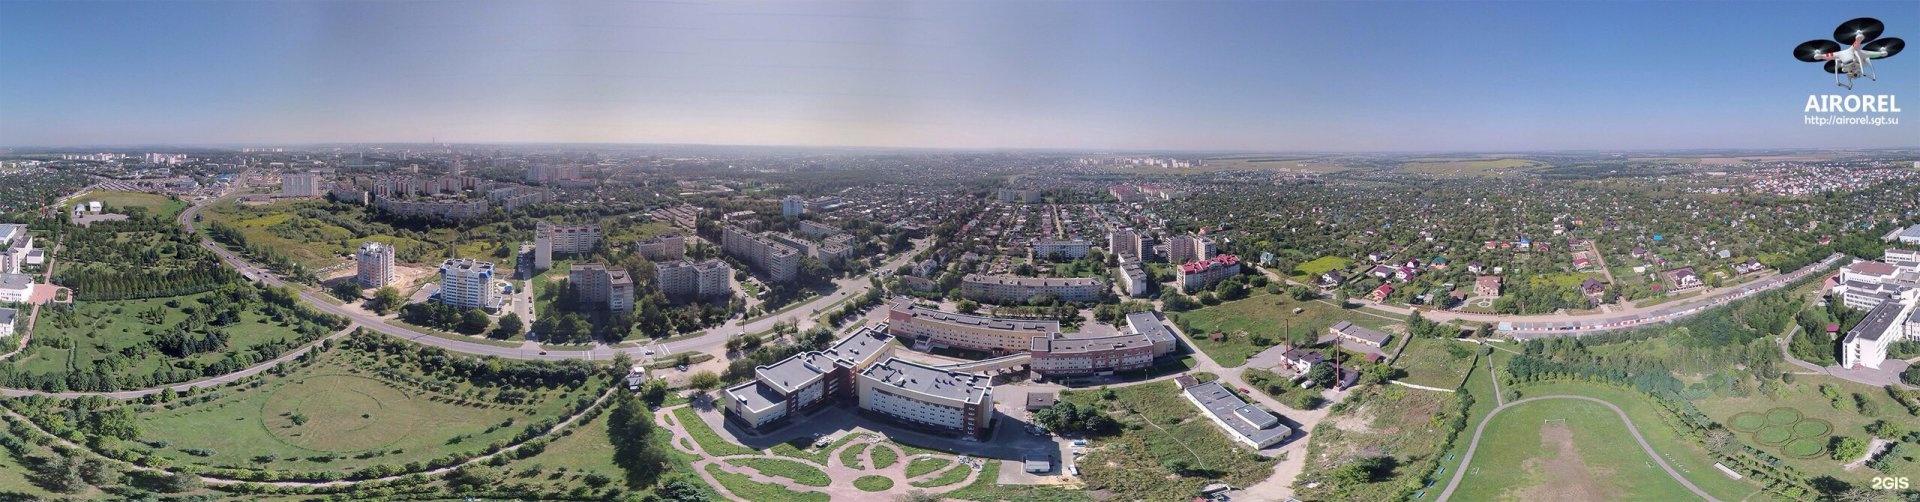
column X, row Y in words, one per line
column 1855, row 60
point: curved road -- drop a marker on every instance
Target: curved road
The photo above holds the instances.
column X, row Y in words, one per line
column 1634, row 431
column 713, row 341
column 1630, row 317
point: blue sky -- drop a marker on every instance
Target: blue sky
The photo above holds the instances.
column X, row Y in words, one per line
column 1276, row 76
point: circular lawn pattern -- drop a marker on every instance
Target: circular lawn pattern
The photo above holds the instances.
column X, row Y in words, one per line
column 1782, row 416
column 873, row 483
column 1805, row 448
column 338, row 413
column 1811, row 428
column 1774, row 435
column 1747, row 421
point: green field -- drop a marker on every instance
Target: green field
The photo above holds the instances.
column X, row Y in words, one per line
column 1804, row 398
column 1683, row 454
column 116, row 201
column 797, row 471
column 1161, row 425
column 873, row 483
column 1311, row 270
column 334, row 415
column 1405, row 424
column 1565, row 449
column 102, row 333
column 1429, row 362
column 1263, row 315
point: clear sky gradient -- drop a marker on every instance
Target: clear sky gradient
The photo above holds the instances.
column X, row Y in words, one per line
column 1305, row 76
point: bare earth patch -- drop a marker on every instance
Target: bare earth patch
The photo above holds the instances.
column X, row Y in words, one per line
column 1564, row 477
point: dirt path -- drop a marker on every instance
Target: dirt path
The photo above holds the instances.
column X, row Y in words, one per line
column 1474, row 444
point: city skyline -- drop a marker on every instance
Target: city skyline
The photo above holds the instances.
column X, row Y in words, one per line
column 1293, row 76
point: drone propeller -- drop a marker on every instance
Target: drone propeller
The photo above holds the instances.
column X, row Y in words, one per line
column 1891, row 45
column 1811, row 50
column 1866, row 27
column 1831, row 67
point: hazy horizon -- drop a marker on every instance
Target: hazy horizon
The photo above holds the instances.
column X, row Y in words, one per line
column 1273, row 77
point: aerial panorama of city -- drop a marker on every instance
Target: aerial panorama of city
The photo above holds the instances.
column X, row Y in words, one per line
column 1013, row 251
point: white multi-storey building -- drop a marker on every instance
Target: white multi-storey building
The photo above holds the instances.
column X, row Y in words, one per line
column 468, row 283
column 686, row 278
column 15, row 288
column 551, row 238
column 7, row 317
column 373, row 264
column 1866, row 344
column 806, row 380
column 1133, row 279
column 927, row 396
column 17, row 244
column 300, row 185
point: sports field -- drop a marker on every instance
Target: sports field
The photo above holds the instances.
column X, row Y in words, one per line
column 1563, row 449
column 116, row 201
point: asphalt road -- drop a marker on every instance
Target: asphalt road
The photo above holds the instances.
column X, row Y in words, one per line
column 713, row 341
column 1634, row 431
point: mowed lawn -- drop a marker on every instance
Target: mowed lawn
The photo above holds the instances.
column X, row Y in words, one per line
column 101, row 329
column 326, row 417
column 116, row 200
column 1563, row 449
column 1161, row 425
column 1684, row 455
column 1804, row 395
column 1436, row 363
column 1264, row 315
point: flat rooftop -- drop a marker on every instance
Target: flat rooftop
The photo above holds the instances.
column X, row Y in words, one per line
column 1246, row 419
column 756, row 396
column 1876, row 323
column 928, row 380
column 1031, row 281
column 1003, row 323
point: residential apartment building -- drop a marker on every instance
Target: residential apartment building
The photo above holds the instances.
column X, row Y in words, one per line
column 468, row 283
column 514, row 197
column 663, row 247
column 779, row 262
column 1185, row 248
column 300, row 185
column 683, row 279
column 1201, row 274
column 447, row 209
column 1126, row 244
column 7, row 317
column 373, row 264
column 546, row 173
column 805, row 381
column 926, row 396
column 792, row 206
column 1133, row 279
column 816, row 229
column 1003, row 289
column 1024, row 196
column 1047, row 249
column 602, row 287
column 1145, row 341
column 550, row 238
column 929, row 327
